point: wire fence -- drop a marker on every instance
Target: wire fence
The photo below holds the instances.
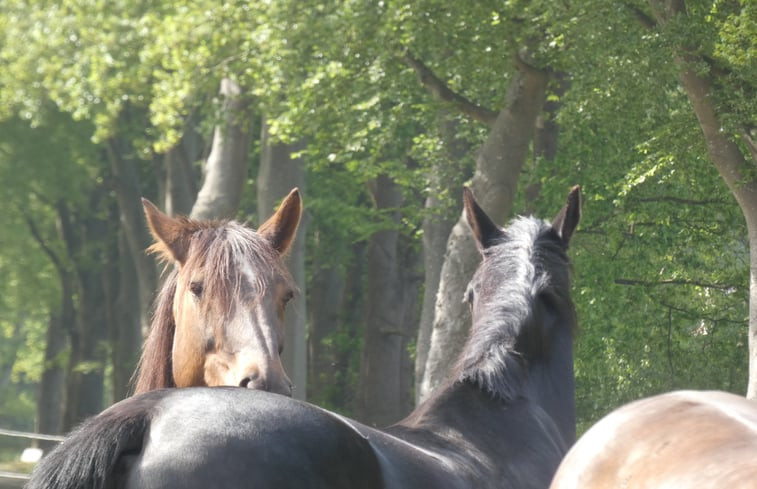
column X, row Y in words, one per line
column 32, row 436
column 15, row 480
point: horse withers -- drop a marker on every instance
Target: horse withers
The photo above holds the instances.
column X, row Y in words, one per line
column 218, row 319
column 502, row 419
column 683, row 440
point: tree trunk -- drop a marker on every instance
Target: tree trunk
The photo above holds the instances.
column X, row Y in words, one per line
column 180, row 186
column 385, row 339
column 87, row 366
column 411, row 281
column 498, row 167
column 52, row 384
column 125, row 331
column 225, row 170
column 437, row 225
column 277, row 175
column 324, row 309
column 737, row 171
column 86, row 239
column 347, row 364
column 128, row 195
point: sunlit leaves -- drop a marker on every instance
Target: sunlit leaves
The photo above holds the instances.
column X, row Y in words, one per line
column 662, row 258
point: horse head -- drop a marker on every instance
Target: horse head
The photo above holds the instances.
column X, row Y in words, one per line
column 224, row 302
column 522, row 314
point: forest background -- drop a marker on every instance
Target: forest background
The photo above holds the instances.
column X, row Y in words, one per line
column 379, row 111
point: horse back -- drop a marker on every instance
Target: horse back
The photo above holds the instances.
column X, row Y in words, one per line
column 232, row 438
column 686, row 440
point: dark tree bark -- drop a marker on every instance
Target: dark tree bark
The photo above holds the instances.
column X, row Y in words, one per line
column 326, row 294
column 123, row 318
column 343, row 396
column 88, row 358
column 52, row 392
column 85, row 238
column 380, row 396
column 279, row 172
column 180, row 182
column 411, row 262
column 128, row 196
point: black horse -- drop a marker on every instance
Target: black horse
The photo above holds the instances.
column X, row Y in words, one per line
column 504, row 419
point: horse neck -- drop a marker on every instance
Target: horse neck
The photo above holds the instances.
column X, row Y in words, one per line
column 546, row 382
column 551, row 381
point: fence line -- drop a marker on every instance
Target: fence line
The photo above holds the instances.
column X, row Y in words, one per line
column 10, row 480
column 33, row 436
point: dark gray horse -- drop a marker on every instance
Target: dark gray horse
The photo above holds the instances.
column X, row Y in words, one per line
column 504, row 418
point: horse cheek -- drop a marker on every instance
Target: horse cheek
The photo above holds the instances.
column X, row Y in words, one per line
column 188, row 356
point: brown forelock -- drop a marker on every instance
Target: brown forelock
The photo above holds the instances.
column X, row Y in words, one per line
column 217, row 251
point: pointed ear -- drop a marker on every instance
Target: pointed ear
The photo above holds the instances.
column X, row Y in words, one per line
column 171, row 235
column 484, row 229
column 567, row 219
column 281, row 228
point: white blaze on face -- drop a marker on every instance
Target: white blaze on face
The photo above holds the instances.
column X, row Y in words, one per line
column 250, row 342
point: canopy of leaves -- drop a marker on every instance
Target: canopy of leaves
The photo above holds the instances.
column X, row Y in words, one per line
column 661, row 257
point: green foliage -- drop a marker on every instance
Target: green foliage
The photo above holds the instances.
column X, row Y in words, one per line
column 661, row 258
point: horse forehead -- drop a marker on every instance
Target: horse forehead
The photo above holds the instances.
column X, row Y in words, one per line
column 516, row 253
column 233, row 251
column 525, row 229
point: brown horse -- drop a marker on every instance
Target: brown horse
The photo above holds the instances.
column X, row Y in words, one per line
column 685, row 440
column 218, row 318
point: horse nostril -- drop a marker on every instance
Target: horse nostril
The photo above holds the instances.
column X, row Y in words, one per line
column 254, row 381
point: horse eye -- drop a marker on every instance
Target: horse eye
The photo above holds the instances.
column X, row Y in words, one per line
column 196, row 289
column 288, row 296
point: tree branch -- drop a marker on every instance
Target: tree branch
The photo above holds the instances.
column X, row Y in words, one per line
column 678, row 200
column 644, row 19
column 441, row 91
column 697, row 314
column 695, row 283
column 42, row 244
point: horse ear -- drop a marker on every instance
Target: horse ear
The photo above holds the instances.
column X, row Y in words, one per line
column 484, row 229
column 567, row 219
column 281, row 228
column 171, row 235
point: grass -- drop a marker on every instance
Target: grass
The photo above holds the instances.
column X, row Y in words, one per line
column 16, row 466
